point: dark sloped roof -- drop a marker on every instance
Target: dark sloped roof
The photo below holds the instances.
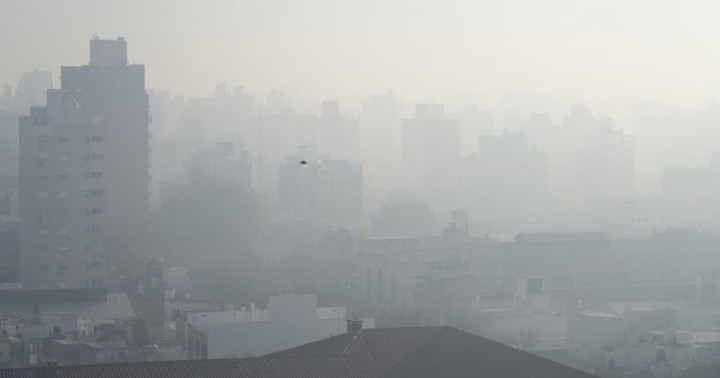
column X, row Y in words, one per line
column 223, row 368
column 391, row 352
column 430, row 352
column 455, row 353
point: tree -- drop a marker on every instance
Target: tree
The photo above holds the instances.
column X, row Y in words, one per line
column 209, row 217
column 403, row 219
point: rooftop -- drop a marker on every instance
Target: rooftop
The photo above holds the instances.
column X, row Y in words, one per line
column 562, row 237
column 391, row 352
column 112, row 306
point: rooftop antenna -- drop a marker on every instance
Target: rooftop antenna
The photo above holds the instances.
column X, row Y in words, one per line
column 95, row 36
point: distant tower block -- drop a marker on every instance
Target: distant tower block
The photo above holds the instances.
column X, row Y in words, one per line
column 108, row 52
column 331, row 109
column 83, row 170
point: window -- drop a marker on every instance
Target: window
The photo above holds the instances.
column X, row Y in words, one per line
column 64, row 212
column 43, row 231
column 62, row 139
column 42, row 141
column 62, row 176
column 94, row 192
column 42, row 267
column 93, row 175
column 95, row 157
column 62, row 194
column 42, row 194
column 63, row 249
column 42, row 248
column 93, row 211
column 62, row 157
column 93, row 229
column 62, row 231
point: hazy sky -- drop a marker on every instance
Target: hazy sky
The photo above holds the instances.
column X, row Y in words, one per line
column 613, row 51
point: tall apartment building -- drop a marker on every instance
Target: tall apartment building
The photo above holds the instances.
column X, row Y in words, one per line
column 317, row 187
column 339, row 133
column 83, row 170
column 604, row 157
column 430, row 150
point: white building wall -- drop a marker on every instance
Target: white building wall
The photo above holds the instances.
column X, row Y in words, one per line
column 291, row 320
column 201, row 320
column 589, row 334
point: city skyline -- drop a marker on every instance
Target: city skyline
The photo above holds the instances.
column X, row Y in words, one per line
column 611, row 55
column 479, row 186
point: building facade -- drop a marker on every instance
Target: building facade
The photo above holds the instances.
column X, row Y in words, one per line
column 430, row 150
column 317, row 187
column 287, row 322
column 83, row 170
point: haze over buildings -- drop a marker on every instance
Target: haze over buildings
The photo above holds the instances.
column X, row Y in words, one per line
column 268, row 182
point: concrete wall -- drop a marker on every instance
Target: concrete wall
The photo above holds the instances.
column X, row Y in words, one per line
column 589, row 334
column 292, row 321
column 260, row 338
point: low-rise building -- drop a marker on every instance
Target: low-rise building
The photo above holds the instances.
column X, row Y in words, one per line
column 288, row 321
column 643, row 336
column 425, row 274
column 47, row 322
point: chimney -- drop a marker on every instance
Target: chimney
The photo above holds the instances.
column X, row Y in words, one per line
column 354, row 325
column 51, row 370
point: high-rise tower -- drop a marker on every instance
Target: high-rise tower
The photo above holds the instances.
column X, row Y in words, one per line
column 84, row 164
